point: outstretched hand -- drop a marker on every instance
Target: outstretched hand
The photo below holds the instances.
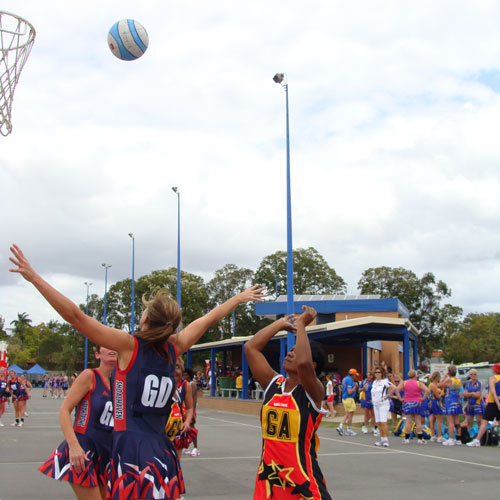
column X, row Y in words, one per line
column 306, row 317
column 255, row 293
column 23, row 266
column 286, row 323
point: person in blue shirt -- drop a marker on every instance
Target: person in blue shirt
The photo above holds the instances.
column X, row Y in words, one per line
column 349, row 389
column 473, row 394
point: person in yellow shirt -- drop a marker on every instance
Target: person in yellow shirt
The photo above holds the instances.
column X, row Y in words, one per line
column 239, row 383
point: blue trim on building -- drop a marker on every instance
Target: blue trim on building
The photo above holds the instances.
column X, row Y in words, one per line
column 334, row 306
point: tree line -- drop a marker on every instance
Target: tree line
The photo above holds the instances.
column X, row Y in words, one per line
column 57, row 346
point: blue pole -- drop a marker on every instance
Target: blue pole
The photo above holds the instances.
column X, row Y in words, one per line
column 244, row 370
column 406, row 353
column 86, row 339
column 283, row 345
column 290, row 338
column 132, row 322
column 365, row 359
column 212, row 372
column 105, row 291
column 189, row 359
column 415, row 353
column 179, row 248
column 178, row 193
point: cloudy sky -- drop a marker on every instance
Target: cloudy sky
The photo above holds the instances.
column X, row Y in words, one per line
column 394, row 124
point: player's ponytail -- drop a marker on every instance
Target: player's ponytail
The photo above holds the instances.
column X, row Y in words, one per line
column 164, row 316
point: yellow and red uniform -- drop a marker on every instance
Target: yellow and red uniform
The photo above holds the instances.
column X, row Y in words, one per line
column 289, row 466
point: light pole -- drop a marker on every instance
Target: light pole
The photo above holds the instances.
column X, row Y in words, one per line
column 176, row 190
column 88, row 285
column 282, row 80
column 132, row 322
column 106, row 267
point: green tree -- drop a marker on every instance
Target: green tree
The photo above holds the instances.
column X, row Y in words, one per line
column 311, row 273
column 3, row 332
column 227, row 282
column 194, row 296
column 477, row 340
column 21, row 326
column 422, row 297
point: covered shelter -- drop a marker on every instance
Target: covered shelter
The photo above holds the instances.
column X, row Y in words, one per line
column 356, row 331
column 36, row 370
column 16, row 368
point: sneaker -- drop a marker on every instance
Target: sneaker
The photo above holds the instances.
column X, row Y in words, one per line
column 406, row 441
column 340, row 431
column 20, row 424
column 14, row 424
column 195, row 452
column 458, row 442
column 350, row 432
column 1, row 425
column 327, row 414
column 25, row 413
column 421, row 441
column 474, row 442
column 434, row 439
column 379, row 443
column 385, row 444
column 441, row 439
column 376, row 432
column 364, row 429
column 186, row 451
column 449, row 442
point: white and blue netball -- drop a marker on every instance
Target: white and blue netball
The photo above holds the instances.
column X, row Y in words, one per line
column 128, row 39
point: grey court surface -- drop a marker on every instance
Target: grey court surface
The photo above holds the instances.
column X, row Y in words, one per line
column 230, row 445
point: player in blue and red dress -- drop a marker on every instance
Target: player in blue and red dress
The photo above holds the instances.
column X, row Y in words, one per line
column 14, row 389
column 82, row 459
column 144, row 464
column 4, row 393
column 290, row 415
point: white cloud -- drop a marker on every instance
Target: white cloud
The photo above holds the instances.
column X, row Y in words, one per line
column 393, row 127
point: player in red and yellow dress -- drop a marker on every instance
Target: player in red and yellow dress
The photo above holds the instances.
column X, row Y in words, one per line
column 290, row 415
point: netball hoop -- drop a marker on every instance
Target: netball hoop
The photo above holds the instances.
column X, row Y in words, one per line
column 16, row 39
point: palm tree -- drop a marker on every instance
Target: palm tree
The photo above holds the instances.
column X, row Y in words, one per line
column 20, row 325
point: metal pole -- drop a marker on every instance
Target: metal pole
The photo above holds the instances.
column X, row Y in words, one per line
column 88, row 285
column 106, row 266
column 282, row 80
column 178, row 193
column 132, row 322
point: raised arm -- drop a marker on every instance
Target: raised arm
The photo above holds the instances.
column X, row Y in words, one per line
column 257, row 362
column 195, row 330
column 98, row 333
column 305, row 365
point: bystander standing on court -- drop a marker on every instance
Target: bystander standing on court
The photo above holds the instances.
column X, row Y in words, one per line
column 349, row 388
column 382, row 389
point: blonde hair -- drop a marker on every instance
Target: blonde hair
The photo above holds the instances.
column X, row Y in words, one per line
column 435, row 375
column 164, row 316
column 412, row 374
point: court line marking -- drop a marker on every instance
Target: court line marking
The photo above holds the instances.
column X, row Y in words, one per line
column 250, row 457
column 446, row 459
column 417, row 454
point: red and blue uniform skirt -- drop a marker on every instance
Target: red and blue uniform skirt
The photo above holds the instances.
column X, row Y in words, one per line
column 58, row 466
column 144, row 466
